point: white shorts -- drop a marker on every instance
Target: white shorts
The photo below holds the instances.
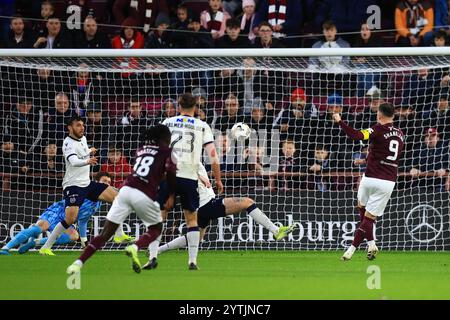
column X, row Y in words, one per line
column 131, row 199
column 374, row 194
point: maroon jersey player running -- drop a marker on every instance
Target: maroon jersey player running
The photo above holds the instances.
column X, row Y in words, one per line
column 139, row 194
column 377, row 183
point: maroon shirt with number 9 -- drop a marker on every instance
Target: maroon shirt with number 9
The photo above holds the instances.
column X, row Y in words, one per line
column 385, row 149
column 152, row 162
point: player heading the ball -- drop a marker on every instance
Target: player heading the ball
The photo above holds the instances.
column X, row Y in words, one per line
column 377, row 183
column 189, row 136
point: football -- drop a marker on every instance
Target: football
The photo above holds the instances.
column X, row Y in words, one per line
column 240, row 131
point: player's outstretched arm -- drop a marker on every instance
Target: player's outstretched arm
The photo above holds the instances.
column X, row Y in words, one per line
column 349, row 131
column 76, row 162
column 215, row 165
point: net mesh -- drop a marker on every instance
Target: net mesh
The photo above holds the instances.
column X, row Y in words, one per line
column 297, row 164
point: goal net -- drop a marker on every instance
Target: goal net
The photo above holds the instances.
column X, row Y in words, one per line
column 297, row 165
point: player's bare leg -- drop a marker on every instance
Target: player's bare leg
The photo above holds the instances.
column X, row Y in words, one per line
column 97, row 243
column 71, row 217
column 364, row 231
column 192, row 237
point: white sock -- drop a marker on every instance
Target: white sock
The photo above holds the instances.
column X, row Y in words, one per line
column 176, row 243
column 371, row 243
column 264, row 220
column 193, row 241
column 59, row 229
column 351, row 249
column 153, row 247
column 119, row 231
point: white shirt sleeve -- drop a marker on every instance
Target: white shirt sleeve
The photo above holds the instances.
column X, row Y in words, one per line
column 71, row 155
column 207, row 135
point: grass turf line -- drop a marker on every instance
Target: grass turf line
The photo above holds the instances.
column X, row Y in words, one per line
column 230, row 275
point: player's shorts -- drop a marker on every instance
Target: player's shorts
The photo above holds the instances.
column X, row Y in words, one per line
column 374, row 194
column 214, row 209
column 53, row 218
column 74, row 196
column 131, row 199
column 186, row 189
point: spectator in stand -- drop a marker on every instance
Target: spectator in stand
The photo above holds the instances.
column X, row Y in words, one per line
column 232, row 6
column 85, row 89
column 6, row 10
column 159, row 38
column 13, row 161
column 214, row 19
column 251, row 162
column 265, row 37
column 42, row 85
column 289, row 163
column 330, row 41
column 19, row 37
column 296, row 120
column 440, row 39
column 441, row 18
column 117, row 166
column 131, row 126
column 232, row 39
column 97, row 130
column 366, row 39
column 142, row 12
column 168, row 110
column 420, row 88
column 50, row 164
column 203, row 110
column 58, row 116
column 316, row 166
column 414, row 21
column 411, row 125
column 191, row 33
column 259, row 118
column 40, row 27
column 346, row 14
column 432, row 158
column 366, row 119
column 247, row 19
column 25, row 126
column 440, row 118
column 90, row 37
column 285, row 17
column 56, row 38
column 129, row 38
column 231, row 115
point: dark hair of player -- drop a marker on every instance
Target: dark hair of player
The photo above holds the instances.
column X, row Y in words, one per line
column 187, row 101
column 74, row 119
column 440, row 35
column 327, row 25
column 134, row 99
column 387, row 110
column 53, row 17
column 321, row 147
column 101, row 174
column 157, row 135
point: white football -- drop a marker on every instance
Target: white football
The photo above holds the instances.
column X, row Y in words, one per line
column 240, row 131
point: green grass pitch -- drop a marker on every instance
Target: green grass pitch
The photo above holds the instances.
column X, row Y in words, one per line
column 230, row 275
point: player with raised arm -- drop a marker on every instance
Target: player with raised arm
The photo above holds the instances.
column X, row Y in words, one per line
column 77, row 184
column 51, row 217
column 139, row 194
column 377, row 183
column 189, row 136
column 211, row 208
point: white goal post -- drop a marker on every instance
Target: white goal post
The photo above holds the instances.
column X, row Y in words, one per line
column 297, row 165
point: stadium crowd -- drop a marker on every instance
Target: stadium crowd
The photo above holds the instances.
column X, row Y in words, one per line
column 312, row 149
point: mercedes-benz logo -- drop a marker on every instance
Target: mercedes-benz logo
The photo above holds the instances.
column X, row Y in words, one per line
column 424, row 223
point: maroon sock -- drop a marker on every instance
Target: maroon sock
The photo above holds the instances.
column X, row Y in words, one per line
column 95, row 245
column 362, row 213
column 152, row 233
column 365, row 230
